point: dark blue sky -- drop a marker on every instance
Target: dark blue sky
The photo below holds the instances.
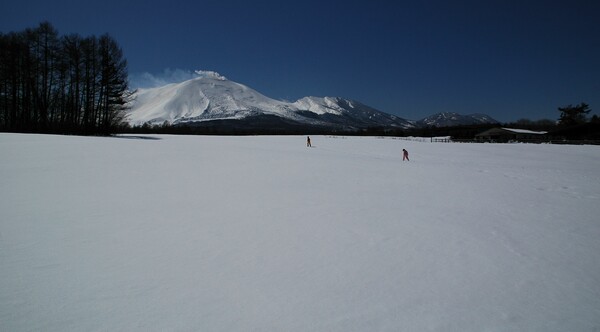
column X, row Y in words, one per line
column 508, row 59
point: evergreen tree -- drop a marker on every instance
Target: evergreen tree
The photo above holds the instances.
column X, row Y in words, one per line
column 572, row 115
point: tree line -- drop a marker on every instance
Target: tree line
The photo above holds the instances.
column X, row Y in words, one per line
column 61, row 84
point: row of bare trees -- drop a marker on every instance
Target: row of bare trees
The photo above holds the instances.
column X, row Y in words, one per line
column 61, row 84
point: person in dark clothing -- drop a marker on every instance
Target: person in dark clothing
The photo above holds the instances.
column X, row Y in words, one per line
column 308, row 141
column 405, row 155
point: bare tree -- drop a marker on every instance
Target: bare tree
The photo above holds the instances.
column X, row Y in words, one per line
column 64, row 84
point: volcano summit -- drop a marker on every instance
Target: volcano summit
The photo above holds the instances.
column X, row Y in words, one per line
column 211, row 97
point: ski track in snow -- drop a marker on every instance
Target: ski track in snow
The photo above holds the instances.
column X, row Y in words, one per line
column 261, row 233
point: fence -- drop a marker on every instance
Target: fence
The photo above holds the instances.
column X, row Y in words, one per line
column 531, row 141
column 442, row 139
column 448, row 139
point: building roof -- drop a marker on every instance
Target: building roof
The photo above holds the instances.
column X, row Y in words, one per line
column 510, row 131
column 525, row 131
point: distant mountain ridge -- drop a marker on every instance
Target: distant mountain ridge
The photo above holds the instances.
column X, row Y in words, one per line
column 211, row 99
column 449, row 119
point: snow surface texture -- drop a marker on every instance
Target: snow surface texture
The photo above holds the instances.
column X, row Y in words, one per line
column 264, row 234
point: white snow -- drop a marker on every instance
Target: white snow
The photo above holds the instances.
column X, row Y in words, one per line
column 211, row 96
column 194, row 233
column 525, row 131
column 319, row 105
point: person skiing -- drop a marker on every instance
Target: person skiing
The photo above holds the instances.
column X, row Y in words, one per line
column 405, row 155
column 308, row 141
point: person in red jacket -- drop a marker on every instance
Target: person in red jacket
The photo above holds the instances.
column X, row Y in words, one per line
column 405, row 155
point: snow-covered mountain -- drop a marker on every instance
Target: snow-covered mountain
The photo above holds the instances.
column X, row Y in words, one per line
column 448, row 119
column 211, row 96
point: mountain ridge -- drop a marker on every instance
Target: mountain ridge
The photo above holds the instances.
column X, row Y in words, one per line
column 449, row 119
column 211, row 97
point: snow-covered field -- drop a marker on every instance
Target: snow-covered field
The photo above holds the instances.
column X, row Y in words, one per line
column 196, row 233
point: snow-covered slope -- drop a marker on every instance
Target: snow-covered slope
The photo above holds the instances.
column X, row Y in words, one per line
column 211, row 96
column 261, row 233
